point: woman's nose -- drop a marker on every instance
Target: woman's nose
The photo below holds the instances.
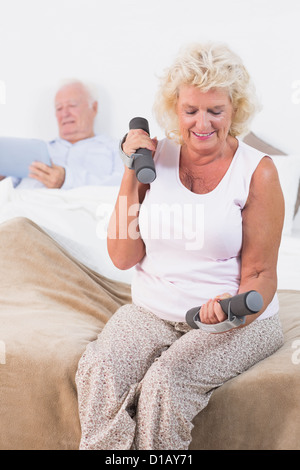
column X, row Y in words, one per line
column 202, row 121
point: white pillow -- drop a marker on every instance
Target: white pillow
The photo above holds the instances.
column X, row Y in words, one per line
column 288, row 167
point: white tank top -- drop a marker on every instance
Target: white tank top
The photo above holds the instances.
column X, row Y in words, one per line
column 193, row 241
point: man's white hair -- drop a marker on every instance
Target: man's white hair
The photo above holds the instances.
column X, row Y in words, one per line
column 88, row 87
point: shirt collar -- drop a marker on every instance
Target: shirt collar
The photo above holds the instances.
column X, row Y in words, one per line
column 66, row 143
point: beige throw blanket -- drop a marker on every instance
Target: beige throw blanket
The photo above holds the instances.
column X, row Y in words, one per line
column 51, row 306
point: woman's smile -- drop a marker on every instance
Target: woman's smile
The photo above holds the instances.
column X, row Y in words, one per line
column 203, row 136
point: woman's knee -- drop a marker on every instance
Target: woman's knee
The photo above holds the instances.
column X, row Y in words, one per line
column 158, row 381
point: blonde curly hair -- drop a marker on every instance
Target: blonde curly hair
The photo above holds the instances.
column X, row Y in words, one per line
column 207, row 66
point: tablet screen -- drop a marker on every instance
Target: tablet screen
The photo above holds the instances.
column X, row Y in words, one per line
column 17, row 154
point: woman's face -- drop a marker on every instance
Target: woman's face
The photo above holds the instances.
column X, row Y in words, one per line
column 204, row 118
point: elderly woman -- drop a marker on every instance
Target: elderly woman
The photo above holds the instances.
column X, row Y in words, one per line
column 209, row 226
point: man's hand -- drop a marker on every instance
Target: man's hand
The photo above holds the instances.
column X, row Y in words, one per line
column 51, row 176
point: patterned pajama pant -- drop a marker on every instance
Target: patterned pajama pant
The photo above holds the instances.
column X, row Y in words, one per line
column 141, row 383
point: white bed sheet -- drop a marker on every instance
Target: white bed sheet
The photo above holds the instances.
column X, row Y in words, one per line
column 77, row 219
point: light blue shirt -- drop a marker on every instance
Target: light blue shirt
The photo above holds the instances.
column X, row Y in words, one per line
column 94, row 161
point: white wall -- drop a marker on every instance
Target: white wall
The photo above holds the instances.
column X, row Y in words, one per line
column 123, row 45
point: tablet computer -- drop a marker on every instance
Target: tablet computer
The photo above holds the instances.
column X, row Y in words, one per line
column 17, row 154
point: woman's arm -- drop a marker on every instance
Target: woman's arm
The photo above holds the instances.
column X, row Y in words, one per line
column 263, row 217
column 125, row 245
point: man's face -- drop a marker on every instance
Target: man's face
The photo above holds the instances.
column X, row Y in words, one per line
column 75, row 114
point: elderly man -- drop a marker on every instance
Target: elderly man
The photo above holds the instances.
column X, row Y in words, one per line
column 79, row 157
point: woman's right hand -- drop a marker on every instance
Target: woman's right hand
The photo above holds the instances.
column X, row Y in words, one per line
column 137, row 139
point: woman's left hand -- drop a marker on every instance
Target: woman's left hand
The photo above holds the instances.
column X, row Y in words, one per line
column 211, row 312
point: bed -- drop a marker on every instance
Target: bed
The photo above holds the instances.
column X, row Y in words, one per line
column 58, row 289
